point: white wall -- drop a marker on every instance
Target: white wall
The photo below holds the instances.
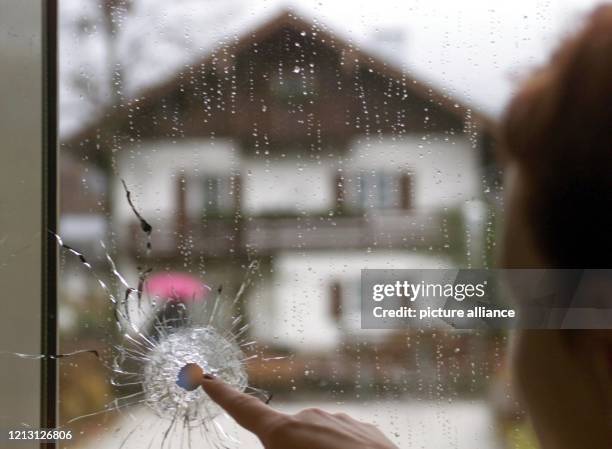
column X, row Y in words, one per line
column 280, row 184
column 151, row 171
column 288, row 184
column 445, row 169
column 445, row 173
column 292, row 306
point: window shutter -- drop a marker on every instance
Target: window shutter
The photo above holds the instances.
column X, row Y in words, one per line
column 339, row 191
column 406, row 192
column 181, row 205
column 335, row 300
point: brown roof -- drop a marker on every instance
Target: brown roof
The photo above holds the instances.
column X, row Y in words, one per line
column 116, row 113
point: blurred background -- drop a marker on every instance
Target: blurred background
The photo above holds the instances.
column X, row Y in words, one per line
column 318, row 138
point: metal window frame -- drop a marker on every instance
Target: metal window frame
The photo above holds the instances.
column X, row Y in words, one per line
column 49, row 369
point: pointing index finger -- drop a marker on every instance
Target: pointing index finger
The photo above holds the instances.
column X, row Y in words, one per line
column 247, row 410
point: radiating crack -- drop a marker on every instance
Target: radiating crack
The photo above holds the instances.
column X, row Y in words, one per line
column 166, row 336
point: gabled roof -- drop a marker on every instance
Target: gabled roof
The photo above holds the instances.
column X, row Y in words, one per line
column 286, row 19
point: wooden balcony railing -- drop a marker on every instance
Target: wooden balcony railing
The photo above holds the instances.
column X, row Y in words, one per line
column 222, row 237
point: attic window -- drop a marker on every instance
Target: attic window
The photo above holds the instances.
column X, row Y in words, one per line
column 293, row 87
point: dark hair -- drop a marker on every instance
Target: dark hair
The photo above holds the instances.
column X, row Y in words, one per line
column 558, row 127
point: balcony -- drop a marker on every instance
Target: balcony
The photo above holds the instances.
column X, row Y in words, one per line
column 223, row 237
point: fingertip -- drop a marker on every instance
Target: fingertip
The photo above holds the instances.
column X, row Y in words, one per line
column 247, row 410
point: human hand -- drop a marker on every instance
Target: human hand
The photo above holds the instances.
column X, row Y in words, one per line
column 309, row 429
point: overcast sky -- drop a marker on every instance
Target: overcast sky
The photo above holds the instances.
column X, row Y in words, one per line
column 473, row 49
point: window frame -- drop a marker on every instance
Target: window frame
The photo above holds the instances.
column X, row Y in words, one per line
column 49, row 269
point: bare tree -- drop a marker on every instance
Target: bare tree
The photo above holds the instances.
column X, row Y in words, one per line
column 114, row 15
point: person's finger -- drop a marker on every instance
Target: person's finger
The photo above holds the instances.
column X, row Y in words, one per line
column 247, row 410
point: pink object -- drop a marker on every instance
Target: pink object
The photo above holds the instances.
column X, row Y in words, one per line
column 175, row 286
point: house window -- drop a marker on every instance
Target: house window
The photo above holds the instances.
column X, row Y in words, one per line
column 212, row 187
column 293, row 87
column 219, row 194
column 207, row 195
column 380, row 189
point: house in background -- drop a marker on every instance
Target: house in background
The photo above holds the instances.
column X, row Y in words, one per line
column 292, row 146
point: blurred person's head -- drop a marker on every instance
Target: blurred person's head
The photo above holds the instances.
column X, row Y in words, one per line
column 556, row 137
column 557, row 141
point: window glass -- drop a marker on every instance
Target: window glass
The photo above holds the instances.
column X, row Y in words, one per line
column 230, row 167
